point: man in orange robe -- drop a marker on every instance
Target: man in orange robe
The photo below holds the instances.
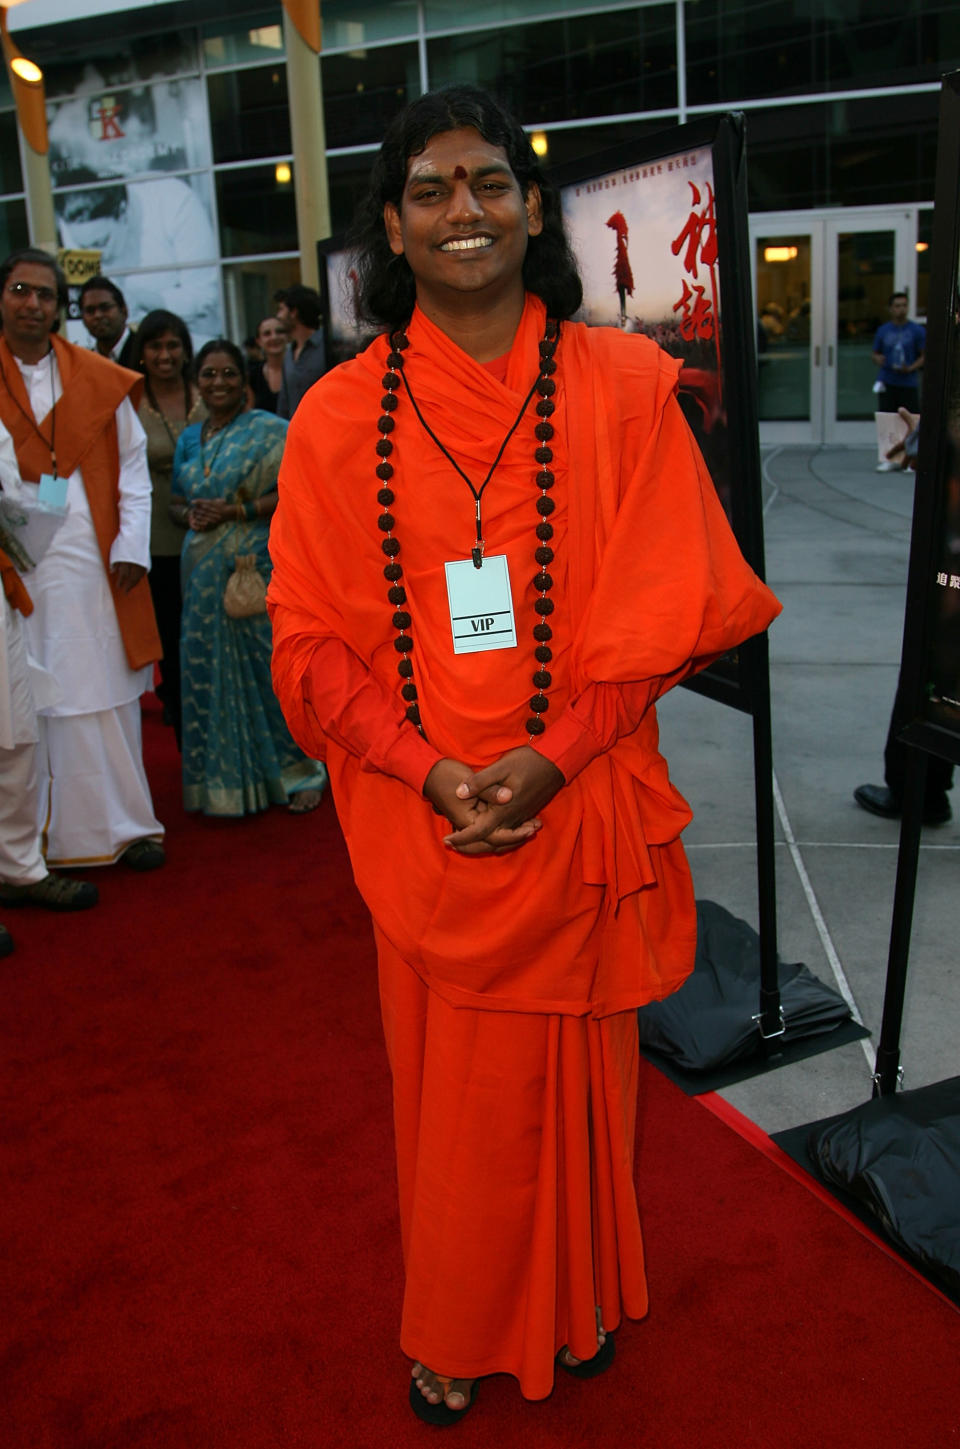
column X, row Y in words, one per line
column 528, row 886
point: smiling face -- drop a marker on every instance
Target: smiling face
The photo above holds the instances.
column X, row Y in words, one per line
column 463, row 223
column 221, row 384
column 163, row 357
column 28, row 309
column 272, row 337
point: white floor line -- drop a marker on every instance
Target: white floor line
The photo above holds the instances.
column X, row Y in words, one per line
column 888, row 845
column 868, row 845
column 765, row 460
column 823, row 932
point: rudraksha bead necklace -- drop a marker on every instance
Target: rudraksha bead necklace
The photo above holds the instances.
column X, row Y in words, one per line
column 545, row 386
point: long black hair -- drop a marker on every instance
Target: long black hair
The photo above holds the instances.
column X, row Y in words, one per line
column 154, row 325
column 385, row 289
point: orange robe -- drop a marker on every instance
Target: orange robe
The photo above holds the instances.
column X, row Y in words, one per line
column 84, row 433
column 509, row 983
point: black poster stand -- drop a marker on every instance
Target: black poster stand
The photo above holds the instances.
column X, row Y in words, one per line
column 930, row 666
column 897, row 1156
column 622, row 179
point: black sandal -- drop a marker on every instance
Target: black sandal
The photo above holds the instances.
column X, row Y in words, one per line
column 588, row 1368
column 440, row 1415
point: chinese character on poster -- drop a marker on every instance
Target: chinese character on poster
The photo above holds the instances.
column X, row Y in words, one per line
column 646, row 240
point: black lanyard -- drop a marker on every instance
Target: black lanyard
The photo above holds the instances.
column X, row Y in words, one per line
column 477, row 552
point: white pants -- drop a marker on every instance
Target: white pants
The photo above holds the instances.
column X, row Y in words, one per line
column 94, row 796
column 20, row 860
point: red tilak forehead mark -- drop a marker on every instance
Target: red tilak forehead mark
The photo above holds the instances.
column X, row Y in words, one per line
column 459, row 173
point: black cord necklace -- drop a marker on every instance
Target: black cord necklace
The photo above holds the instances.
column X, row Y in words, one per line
column 545, row 386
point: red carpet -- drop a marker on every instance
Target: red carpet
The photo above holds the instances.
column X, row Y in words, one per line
column 198, row 1243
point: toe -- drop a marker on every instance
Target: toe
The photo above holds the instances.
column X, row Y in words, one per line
column 458, row 1394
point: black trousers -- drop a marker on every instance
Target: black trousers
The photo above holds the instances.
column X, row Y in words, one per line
column 939, row 772
column 165, row 589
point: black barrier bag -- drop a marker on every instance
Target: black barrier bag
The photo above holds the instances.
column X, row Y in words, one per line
column 710, row 1021
column 899, row 1155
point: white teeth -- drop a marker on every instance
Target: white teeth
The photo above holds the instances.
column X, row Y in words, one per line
column 469, row 244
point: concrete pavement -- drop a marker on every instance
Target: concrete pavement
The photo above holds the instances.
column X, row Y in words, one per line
column 837, row 546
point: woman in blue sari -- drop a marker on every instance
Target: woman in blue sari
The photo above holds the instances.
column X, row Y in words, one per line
column 238, row 755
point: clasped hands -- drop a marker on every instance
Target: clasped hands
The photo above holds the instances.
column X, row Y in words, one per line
column 207, row 513
column 493, row 810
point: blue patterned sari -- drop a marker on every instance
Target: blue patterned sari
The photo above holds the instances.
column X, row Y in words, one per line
column 238, row 755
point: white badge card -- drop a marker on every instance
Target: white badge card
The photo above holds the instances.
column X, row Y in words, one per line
column 481, row 605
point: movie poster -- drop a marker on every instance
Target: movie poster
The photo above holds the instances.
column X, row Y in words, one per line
column 646, row 241
column 117, row 158
column 338, row 283
column 943, row 651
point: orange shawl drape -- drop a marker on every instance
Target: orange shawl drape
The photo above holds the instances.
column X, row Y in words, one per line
column 650, row 584
column 85, row 438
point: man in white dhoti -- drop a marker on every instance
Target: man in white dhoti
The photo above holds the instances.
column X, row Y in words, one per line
column 21, row 861
column 77, row 439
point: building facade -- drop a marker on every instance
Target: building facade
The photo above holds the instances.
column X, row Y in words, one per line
column 171, row 143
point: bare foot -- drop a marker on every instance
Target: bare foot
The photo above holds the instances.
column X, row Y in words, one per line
column 303, row 801
column 567, row 1357
column 455, row 1393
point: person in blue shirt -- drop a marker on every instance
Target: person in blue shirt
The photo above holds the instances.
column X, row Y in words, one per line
column 898, row 352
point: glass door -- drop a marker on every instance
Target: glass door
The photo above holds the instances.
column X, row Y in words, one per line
column 822, row 284
column 788, row 264
column 867, row 259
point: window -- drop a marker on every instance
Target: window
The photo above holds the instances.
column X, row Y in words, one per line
column 742, row 49
column 345, row 23
column 593, row 65
column 13, row 226
column 452, row 15
column 10, row 175
column 234, row 42
column 364, row 89
column 257, row 211
column 248, row 113
column 842, row 153
column 249, row 288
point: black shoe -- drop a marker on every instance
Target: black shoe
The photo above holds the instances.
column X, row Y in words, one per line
column 144, row 855
column 588, row 1368
column 879, row 800
column 53, row 893
column 6, row 941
